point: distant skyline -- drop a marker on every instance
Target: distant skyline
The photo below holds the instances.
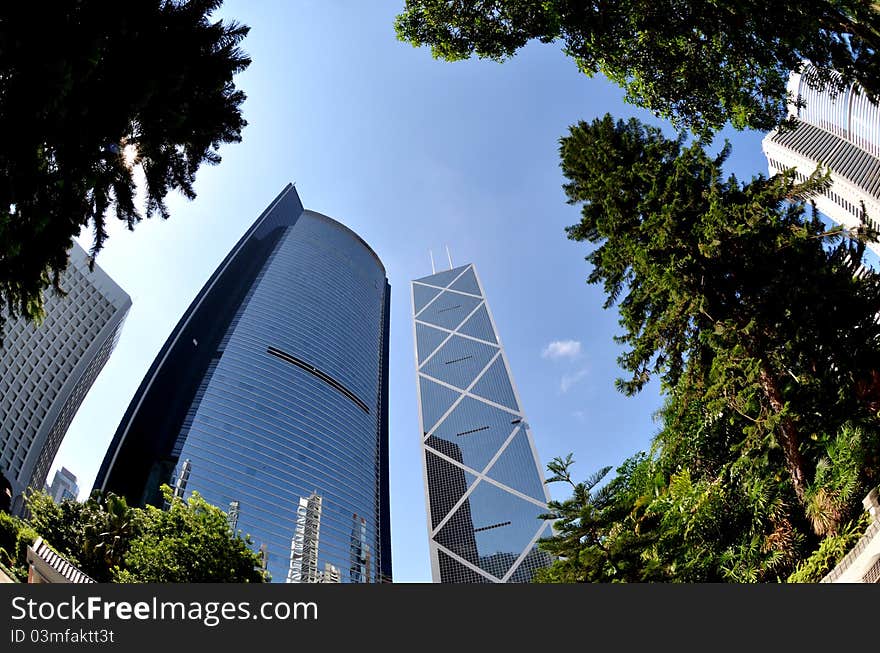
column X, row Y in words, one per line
column 413, row 155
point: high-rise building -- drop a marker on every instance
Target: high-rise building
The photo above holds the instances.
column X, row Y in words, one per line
column 330, row 574
column 483, row 479
column 306, row 541
column 63, row 486
column 842, row 134
column 274, row 383
column 47, row 369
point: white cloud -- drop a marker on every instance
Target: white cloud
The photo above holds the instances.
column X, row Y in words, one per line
column 568, row 380
column 562, row 349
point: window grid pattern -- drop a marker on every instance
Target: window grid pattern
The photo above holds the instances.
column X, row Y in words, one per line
column 47, row 370
column 271, row 437
column 485, row 490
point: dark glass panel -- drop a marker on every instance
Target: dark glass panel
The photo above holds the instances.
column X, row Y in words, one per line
column 452, row 571
column 493, row 529
column 532, row 562
column 450, row 481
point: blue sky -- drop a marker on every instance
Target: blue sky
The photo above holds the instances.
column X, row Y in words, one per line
column 413, row 154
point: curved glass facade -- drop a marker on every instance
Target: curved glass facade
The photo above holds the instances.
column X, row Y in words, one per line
column 285, row 426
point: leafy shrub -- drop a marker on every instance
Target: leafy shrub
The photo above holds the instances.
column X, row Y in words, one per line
column 831, row 551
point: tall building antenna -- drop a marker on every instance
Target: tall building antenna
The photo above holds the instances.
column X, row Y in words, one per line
column 448, row 256
column 433, row 271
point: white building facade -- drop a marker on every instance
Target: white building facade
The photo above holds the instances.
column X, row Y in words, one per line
column 47, row 369
column 842, row 134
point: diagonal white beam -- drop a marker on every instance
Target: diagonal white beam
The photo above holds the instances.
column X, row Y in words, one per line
column 479, row 475
column 464, row 394
column 464, row 562
column 525, row 553
column 456, row 332
column 455, row 290
column 438, row 294
column 449, row 335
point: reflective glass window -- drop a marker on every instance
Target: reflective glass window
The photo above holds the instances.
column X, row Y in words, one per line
column 513, row 466
column 427, row 340
column 476, row 429
column 459, row 361
column 495, row 386
column 422, row 295
column 443, row 278
column 436, row 400
column 449, row 310
column 479, row 326
column 467, row 282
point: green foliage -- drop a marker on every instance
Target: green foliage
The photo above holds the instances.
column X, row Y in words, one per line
column 761, row 326
column 830, row 552
column 699, row 64
column 668, row 517
column 840, row 479
column 15, row 537
column 9, row 527
column 94, row 535
column 729, row 292
column 90, row 91
column 110, row 541
column 578, row 524
column 189, row 542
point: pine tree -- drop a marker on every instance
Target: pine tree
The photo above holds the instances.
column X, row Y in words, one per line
column 700, row 64
column 733, row 292
column 89, row 91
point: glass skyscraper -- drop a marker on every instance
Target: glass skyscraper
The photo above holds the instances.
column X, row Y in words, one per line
column 270, row 399
column 483, row 479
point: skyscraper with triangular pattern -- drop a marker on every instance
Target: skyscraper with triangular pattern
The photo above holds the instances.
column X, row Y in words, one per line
column 483, row 479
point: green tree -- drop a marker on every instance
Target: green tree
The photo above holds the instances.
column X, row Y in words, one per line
column 579, row 525
column 90, row 91
column 111, row 541
column 15, row 537
column 728, row 291
column 190, row 542
column 701, row 513
column 94, row 534
column 699, row 64
column 761, row 324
